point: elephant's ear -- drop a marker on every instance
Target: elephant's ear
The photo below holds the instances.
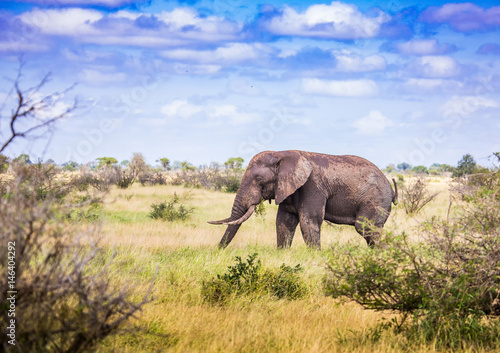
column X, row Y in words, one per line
column 293, row 172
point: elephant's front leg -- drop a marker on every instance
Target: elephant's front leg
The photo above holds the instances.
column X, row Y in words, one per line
column 286, row 223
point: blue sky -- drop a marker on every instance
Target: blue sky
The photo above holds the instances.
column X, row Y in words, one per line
column 203, row 81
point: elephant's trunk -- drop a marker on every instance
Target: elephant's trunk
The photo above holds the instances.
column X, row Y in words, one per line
column 228, row 235
column 240, row 212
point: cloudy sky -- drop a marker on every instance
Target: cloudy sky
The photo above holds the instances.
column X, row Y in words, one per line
column 200, row 80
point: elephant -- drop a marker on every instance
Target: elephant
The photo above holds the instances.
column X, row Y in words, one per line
column 310, row 188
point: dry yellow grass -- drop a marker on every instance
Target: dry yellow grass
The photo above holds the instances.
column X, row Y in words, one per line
column 185, row 254
column 133, row 205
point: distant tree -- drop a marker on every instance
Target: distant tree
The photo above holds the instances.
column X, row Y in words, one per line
column 234, row 163
column 137, row 164
column 445, row 168
column 176, row 165
column 23, row 158
column 50, row 161
column 214, row 165
column 420, row 169
column 186, row 166
column 106, row 161
column 124, row 163
column 465, row 166
column 165, row 163
column 70, row 166
column 390, row 168
column 404, row 166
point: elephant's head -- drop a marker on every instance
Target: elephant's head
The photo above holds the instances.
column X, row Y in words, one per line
column 270, row 175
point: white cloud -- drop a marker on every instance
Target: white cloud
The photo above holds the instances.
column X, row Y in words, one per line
column 180, row 109
column 180, row 26
column 185, row 69
column 431, row 85
column 465, row 105
column 22, row 46
column 94, row 76
column 337, row 20
column 217, row 114
column 231, row 114
column 67, row 22
column 373, row 124
column 231, row 53
column 349, row 88
column 55, row 106
column 109, row 3
column 348, row 61
column 435, row 67
column 422, row 47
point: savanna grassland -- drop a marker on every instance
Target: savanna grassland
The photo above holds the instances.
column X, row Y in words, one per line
column 180, row 256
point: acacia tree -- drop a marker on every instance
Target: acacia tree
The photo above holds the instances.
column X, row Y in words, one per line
column 106, row 161
column 234, row 163
column 165, row 163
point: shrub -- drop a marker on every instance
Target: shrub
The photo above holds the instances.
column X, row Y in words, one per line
column 415, row 195
column 125, row 179
column 249, row 278
column 168, row 211
column 151, row 179
column 445, row 289
column 86, row 209
column 65, row 302
column 227, row 180
column 420, row 169
column 231, row 184
column 4, row 163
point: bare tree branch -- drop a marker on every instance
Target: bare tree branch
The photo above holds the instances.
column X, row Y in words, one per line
column 32, row 113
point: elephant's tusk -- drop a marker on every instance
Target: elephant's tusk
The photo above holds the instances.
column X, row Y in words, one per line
column 238, row 221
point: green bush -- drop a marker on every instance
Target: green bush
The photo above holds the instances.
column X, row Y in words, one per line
column 169, row 211
column 87, row 209
column 232, row 184
column 445, row 289
column 249, row 278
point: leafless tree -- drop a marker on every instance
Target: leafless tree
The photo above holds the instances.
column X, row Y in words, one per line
column 31, row 112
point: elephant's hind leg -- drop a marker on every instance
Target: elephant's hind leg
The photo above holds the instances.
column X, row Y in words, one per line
column 367, row 231
column 369, row 223
column 286, row 223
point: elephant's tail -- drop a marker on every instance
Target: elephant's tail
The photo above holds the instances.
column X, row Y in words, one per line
column 395, row 196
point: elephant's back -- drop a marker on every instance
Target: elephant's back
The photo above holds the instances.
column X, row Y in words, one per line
column 353, row 179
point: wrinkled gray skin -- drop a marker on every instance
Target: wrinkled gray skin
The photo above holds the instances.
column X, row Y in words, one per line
column 309, row 188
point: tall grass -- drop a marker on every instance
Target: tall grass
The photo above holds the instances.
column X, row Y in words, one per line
column 180, row 320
